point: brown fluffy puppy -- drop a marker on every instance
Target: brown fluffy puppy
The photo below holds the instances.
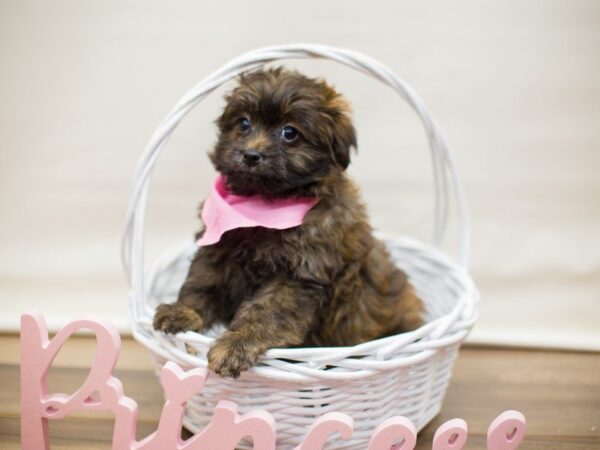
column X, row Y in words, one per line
column 327, row 282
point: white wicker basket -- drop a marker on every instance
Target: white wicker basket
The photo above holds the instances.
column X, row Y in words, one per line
column 403, row 375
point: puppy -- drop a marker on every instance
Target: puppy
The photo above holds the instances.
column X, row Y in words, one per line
column 326, row 282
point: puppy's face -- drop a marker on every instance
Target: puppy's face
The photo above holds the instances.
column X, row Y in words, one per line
column 282, row 133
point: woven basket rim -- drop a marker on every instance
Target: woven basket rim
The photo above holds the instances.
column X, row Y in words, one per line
column 387, row 352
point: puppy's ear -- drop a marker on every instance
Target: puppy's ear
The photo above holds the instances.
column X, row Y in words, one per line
column 343, row 134
column 344, row 139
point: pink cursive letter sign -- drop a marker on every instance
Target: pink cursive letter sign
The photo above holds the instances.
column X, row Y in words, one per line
column 226, row 428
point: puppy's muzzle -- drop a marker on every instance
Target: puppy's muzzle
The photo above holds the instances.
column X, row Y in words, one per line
column 252, row 157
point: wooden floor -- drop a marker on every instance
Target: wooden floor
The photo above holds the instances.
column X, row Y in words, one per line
column 558, row 392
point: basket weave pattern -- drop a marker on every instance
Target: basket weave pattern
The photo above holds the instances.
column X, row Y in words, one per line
column 406, row 374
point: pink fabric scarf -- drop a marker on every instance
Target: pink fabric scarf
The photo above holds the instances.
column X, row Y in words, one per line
column 224, row 211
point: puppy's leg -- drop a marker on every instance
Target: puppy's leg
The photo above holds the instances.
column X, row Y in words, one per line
column 281, row 314
column 411, row 309
column 194, row 309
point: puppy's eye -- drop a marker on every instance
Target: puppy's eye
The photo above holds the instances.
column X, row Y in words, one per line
column 289, row 134
column 245, row 124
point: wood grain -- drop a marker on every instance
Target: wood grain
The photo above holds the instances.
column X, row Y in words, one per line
column 559, row 393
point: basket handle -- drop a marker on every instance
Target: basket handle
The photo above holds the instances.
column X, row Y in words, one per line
column 444, row 172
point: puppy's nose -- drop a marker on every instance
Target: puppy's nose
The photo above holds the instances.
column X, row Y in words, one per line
column 252, row 157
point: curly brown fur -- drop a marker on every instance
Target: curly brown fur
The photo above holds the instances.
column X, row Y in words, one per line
column 328, row 282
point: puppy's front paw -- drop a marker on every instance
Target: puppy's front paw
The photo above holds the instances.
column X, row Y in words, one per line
column 177, row 317
column 229, row 356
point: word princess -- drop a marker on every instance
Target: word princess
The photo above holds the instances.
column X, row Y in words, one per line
column 227, row 427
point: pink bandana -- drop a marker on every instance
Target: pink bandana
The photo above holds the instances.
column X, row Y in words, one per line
column 224, row 211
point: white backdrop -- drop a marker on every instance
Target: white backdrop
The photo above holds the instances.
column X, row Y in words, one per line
column 515, row 87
